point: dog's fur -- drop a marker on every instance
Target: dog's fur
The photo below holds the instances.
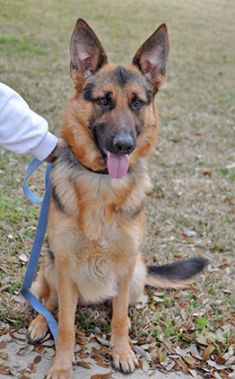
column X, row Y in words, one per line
column 97, row 223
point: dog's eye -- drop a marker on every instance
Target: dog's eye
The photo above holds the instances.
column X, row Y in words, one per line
column 104, row 101
column 137, row 103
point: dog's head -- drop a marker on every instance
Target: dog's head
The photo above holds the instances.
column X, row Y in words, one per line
column 111, row 122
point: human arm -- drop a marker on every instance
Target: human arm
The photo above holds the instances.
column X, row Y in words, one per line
column 22, row 130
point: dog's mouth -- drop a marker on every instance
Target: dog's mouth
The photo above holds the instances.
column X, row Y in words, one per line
column 117, row 161
column 117, row 165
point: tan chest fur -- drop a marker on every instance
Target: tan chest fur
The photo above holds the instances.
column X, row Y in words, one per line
column 102, row 225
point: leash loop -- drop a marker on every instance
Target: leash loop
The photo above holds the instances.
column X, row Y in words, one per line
column 38, row 242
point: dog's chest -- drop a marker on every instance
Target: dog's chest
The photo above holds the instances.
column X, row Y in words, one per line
column 97, row 267
column 104, row 205
column 96, row 232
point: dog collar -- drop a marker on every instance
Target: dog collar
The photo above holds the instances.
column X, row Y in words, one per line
column 102, row 172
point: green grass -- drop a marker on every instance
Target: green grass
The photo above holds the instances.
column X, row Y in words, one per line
column 7, row 38
column 193, row 188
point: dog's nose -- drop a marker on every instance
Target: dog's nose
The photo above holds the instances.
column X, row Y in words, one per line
column 123, row 143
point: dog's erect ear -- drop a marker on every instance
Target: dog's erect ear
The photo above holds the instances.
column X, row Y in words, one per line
column 87, row 53
column 151, row 57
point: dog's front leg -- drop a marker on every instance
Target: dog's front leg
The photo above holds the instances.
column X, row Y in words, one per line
column 123, row 357
column 67, row 299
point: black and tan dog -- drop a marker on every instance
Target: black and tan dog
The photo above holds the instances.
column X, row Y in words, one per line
column 97, row 213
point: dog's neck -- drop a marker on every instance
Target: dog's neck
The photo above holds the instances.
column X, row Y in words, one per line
column 70, row 156
column 102, row 172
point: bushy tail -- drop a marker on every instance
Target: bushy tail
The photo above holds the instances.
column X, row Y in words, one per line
column 175, row 275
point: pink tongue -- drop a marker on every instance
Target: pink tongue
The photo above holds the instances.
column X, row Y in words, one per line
column 117, row 165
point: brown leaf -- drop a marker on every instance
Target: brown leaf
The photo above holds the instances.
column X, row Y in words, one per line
column 2, row 345
column 102, row 364
column 99, row 360
column 207, row 352
column 182, row 365
column 102, row 376
column 83, row 354
column 189, row 359
column 207, row 173
column 201, row 340
column 4, row 370
column 37, row 359
column 83, row 364
column 32, row 368
column 102, row 350
column 39, row 348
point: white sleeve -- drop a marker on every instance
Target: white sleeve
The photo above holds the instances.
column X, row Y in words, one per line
column 21, row 129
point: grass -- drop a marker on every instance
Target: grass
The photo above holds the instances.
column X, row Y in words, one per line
column 192, row 208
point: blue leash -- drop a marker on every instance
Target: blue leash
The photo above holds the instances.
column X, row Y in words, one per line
column 37, row 244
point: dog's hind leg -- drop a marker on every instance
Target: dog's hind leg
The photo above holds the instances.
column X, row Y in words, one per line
column 138, row 281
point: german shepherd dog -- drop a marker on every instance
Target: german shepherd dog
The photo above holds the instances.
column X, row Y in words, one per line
column 97, row 219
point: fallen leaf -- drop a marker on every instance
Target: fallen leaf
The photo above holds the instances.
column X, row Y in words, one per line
column 215, row 365
column 4, row 370
column 182, row 365
column 140, row 351
column 207, row 352
column 194, row 352
column 37, row 359
column 19, row 336
column 3, row 355
column 201, row 340
column 193, row 373
column 2, row 345
column 83, row 364
column 83, row 354
column 25, row 350
column 102, row 341
column 170, row 366
column 189, row 359
column 102, row 376
column 161, row 354
column 39, row 348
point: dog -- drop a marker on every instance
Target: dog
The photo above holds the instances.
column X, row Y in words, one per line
column 96, row 222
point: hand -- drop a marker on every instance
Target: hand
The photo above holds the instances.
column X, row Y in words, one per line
column 61, row 145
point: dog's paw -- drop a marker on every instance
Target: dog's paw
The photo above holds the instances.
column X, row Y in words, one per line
column 124, row 359
column 37, row 329
column 60, row 371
